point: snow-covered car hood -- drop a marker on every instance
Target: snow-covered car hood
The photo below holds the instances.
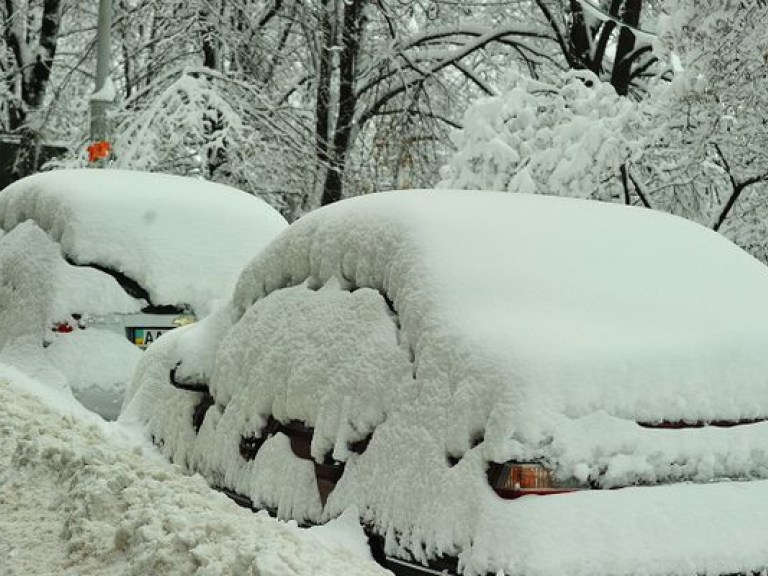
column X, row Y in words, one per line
column 184, row 240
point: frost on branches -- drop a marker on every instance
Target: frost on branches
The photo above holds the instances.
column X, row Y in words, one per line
column 707, row 157
column 567, row 137
column 195, row 122
column 695, row 146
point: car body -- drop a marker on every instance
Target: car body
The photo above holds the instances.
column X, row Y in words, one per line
column 97, row 264
column 496, row 383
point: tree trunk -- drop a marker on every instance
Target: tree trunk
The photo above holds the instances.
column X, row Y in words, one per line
column 626, row 15
column 27, row 155
column 34, row 81
column 347, row 102
column 323, row 100
column 209, row 39
column 578, row 39
column 212, row 121
column 621, row 74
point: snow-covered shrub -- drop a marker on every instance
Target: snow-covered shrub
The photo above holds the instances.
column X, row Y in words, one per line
column 566, row 137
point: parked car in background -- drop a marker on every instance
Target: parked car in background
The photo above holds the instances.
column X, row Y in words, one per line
column 97, row 264
column 495, row 383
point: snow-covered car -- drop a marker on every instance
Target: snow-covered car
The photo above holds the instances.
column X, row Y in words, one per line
column 495, row 383
column 96, row 264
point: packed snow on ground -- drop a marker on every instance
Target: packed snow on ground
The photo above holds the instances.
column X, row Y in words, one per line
column 98, row 364
column 485, row 327
column 182, row 239
column 82, row 496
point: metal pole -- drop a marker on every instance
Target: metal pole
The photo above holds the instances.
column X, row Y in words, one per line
column 101, row 99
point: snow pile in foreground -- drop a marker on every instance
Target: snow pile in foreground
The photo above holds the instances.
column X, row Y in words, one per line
column 184, row 240
column 79, row 496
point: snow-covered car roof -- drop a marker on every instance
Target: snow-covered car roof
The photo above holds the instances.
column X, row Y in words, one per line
column 184, row 240
column 566, row 305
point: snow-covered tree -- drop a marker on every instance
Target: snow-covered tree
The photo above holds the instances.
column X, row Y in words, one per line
column 706, row 153
column 569, row 136
column 608, row 37
column 216, row 127
column 348, row 92
column 696, row 144
column 392, row 70
column 30, row 34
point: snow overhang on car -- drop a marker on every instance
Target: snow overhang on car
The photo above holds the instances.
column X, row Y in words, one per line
column 487, row 347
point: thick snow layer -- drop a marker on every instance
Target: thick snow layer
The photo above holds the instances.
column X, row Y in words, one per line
column 546, row 306
column 80, row 496
column 38, row 280
column 27, row 263
column 39, row 288
column 352, row 372
column 184, row 240
column 99, row 364
column 93, row 366
column 468, row 327
column 357, row 373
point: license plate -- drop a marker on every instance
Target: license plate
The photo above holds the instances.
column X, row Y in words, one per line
column 143, row 337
